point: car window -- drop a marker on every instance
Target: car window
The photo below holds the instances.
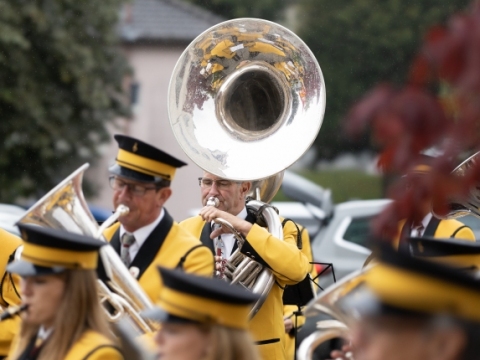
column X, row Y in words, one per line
column 358, row 231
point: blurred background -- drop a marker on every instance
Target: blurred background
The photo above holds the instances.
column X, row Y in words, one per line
column 74, row 73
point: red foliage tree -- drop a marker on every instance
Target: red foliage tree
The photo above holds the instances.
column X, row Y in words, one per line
column 438, row 106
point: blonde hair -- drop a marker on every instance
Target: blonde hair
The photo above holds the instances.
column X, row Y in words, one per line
column 231, row 344
column 79, row 311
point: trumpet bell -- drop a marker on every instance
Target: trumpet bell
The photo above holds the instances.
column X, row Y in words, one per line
column 64, row 207
column 241, row 88
column 265, row 189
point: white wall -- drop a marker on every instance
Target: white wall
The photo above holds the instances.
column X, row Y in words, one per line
column 153, row 66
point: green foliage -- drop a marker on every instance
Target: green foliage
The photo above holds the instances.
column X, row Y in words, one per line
column 230, row 9
column 359, row 43
column 344, row 184
column 61, row 78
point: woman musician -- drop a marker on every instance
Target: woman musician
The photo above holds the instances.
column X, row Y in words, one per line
column 202, row 319
column 63, row 319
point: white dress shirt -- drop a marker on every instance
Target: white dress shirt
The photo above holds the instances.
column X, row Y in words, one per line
column 229, row 239
column 141, row 235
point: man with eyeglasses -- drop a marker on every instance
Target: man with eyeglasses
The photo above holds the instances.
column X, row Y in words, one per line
column 287, row 263
column 148, row 236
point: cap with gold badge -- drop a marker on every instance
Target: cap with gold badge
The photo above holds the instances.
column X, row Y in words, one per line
column 399, row 284
column 191, row 298
column 140, row 161
column 49, row 251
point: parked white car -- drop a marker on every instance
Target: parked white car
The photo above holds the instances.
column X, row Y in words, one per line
column 340, row 239
column 9, row 215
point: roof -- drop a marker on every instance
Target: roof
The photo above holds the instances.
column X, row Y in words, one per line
column 164, row 21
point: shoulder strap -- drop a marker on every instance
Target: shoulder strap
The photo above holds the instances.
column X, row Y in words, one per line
column 299, row 233
column 431, row 227
column 184, row 257
column 10, row 277
column 456, row 231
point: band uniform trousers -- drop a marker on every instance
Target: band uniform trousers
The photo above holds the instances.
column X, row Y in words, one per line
column 288, row 265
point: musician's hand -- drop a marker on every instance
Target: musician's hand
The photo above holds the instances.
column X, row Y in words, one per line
column 210, row 213
column 288, row 323
column 218, row 263
column 344, row 354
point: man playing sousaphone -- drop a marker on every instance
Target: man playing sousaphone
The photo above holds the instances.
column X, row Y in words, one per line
column 287, row 263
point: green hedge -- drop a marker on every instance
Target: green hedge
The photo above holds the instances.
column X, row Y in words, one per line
column 345, row 184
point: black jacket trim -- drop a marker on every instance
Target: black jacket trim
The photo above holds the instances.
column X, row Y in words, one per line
column 205, row 237
column 26, row 355
column 247, row 249
column 431, row 227
column 268, row 341
column 407, row 227
column 150, row 248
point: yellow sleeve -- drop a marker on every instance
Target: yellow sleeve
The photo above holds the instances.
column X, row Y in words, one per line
column 466, row 234
column 286, row 261
column 8, row 329
column 9, row 292
column 105, row 353
column 307, row 250
column 453, row 228
column 200, row 261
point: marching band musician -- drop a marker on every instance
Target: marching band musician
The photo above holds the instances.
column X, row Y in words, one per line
column 415, row 309
column 148, row 236
column 461, row 255
column 288, row 264
column 429, row 224
column 202, row 319
column 9, row 291
column 63, row 319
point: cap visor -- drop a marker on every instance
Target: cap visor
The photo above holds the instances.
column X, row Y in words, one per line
column 157, row 314
column 131, row 174
column 25, row 268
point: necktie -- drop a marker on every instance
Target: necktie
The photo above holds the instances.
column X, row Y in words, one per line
column 127, row 240
column 220, row 248
column 220, row 251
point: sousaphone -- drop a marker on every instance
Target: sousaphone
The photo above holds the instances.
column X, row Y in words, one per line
column 246, row 100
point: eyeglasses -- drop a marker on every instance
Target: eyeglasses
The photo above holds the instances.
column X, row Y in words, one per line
column 222, row 184
column 135, row 189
